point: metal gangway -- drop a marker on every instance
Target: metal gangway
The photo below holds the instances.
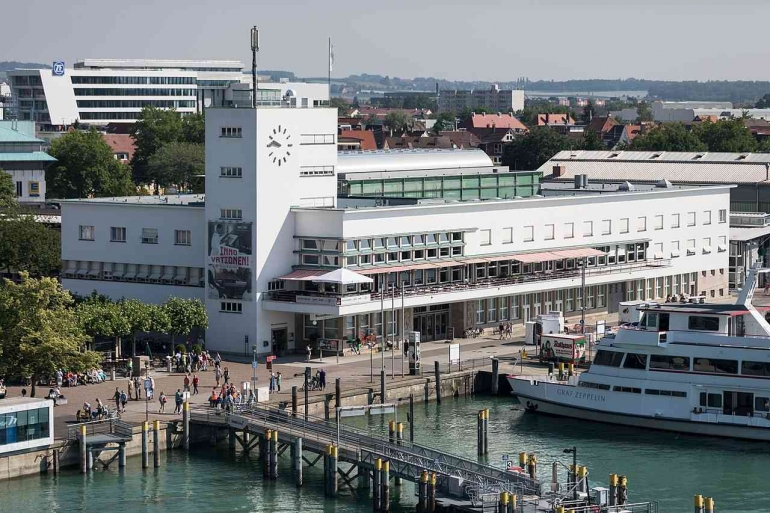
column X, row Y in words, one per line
column 456, row 475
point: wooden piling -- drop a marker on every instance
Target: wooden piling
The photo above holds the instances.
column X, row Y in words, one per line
column 186, row 425
column 122, row 455
column 333, row 477
column 382, row 386
column 264, row 453
column 495, row 376
column 231, row 440
column 55, row 457
column 437, row 374
column 274, row 455
column 613, row 498
column 411, row 418
column 502, row 505
column 145, row 444
column 432, row 493
column 325, row 456
column 385, row 480
column 297, row 461
column 90, row 459
column 512, row 503
column 156, row 443
column 486, row 431
column 376, row 489
column 623, row 491
column 338, row 392
column 83, row 451
column 294, row 401
column 399, row 442
column 479, row 433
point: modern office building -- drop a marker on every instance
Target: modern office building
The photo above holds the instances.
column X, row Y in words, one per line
column 272, row 224
column 449, row 174
column 493, row 100
column 22, row 155
column 102, row 91
column 25, row 424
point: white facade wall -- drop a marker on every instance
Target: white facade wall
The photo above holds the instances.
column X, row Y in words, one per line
column 265, row 194
column 105, row 214
column 25, row 177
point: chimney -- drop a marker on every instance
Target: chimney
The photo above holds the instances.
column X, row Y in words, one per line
column 559, row 170
column 578, row 181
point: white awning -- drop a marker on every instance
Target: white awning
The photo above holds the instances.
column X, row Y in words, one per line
column 343, row 277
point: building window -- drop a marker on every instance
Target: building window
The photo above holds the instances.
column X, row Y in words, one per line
column 606, row 227
column 149, row 235
column 515, row 314
column 569, row 230
column 690, row 218
column 492, row 310
column 230, row 307
column 231, row 172
column 275, row 285
column 675, row 220
column 118, row 234
column 230, row 131
column 316, row 171
column 86, row 232
column 19, row 189
column 641, row 224
column 722, row 215
column 549, row 232
column 507, row 235
column 182, row 237
column 674, row 248
column 529, row 233
column 231, row 213
column 624, row 225
column 486, row 237
column 690, row 247
column 316, row 139
column 707, row 217
column 480, row 311
column 659, row 222
column 588, row 228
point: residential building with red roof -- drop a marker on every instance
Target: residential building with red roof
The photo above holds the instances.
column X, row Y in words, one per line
column 481, row 121
column 356, row 140
column 122, row 145
column 552, row 118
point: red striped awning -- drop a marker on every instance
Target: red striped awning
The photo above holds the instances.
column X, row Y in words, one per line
column 531, row 258
column 303, row 275
column 578, row 253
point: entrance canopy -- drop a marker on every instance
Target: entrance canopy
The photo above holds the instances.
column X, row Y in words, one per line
column 343, row 277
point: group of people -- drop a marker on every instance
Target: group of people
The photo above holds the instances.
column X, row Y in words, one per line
column 192, row 362
column 73, row 379
column 275, row 382
column 506, row 330
column 224, row 398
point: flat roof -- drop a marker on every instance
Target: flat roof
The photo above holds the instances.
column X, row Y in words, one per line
column 21, row 401
column 183, row 200
column 368, row 161
column 431, row 173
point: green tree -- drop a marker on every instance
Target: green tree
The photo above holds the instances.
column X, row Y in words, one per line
column 644, row 111
column 39, row 331
column 7, row 189
column 27, row 245
column 444, row 121
column 668, row 137
column 591, row 141
column 341, row 104
column 728, row 135
column 153, row 129
column 533, row 149
column 763, row 103
column 142, row 318
column 178, row 163
column 184, row 315
column 397, row 121
column 194, row 128
column 103, row 319
column 85, row 167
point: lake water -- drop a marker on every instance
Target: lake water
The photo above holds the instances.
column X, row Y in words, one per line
column 666, row 467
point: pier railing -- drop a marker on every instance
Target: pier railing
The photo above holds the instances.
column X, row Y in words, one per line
column 101, row 427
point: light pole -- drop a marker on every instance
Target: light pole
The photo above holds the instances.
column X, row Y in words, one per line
column 573, row 451
column 254, row 370
column 146, row 399
column 583, row 296
column 254, row 50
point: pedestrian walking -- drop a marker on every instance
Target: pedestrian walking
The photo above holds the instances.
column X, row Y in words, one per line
column 178, row 401
column 162, row 400
column 322, row 376
column 116, row 396
column 130, row 368
column 123, row 400
column 137, row 388
column 217, row 374
column 309, row 352
column 226, row 375
column 272, row 383
column 187, row 383
column 278, row 381
column 195, row 384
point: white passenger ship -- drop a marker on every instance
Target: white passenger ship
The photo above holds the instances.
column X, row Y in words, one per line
column 701, row 369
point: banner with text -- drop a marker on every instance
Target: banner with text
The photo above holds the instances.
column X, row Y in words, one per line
column 229, row 264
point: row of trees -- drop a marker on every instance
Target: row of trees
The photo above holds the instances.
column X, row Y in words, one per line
column 43, row 329
column 729, row 135
column 540, row 143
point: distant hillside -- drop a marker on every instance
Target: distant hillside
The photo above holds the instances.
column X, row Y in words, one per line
column 11, row 65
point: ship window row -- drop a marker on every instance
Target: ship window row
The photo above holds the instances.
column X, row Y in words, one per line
column 629, row 390
column 133, row 80
column 137, row 273
column 681, row 363
column 671, row 393
column 134, row 92
column 598, row 386
column 135, row 104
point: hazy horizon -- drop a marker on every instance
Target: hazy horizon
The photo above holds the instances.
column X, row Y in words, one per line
column 542, row 40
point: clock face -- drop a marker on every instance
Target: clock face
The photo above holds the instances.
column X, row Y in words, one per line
column 280, row 145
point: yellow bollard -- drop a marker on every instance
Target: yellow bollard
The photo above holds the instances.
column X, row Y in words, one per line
column 698, row 503
column 709, row 505
column 504, row 498
column 523, row 460
column 571, row 369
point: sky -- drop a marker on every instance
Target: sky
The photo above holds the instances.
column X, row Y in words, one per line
column 453, row 39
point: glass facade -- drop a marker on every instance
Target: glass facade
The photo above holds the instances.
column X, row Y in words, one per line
column 461, row 187
column 22, row 426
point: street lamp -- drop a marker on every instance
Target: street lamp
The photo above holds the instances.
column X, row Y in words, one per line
column 573, row 451
column 146, row 399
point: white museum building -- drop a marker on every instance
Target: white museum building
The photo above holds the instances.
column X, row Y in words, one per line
column 256, row 247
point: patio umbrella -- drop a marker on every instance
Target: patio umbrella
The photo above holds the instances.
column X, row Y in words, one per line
column 343, row 277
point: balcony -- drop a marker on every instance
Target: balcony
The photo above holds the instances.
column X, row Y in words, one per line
column 466, row 289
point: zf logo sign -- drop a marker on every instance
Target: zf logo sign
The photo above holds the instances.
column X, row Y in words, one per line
column 58, row 69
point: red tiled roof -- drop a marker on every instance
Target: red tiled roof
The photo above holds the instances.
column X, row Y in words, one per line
column 554, row 119
column 462, row 139
column 602, row 125
column 349, row 121
column 494, row 121
column 120, row 143
column 364, row 137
